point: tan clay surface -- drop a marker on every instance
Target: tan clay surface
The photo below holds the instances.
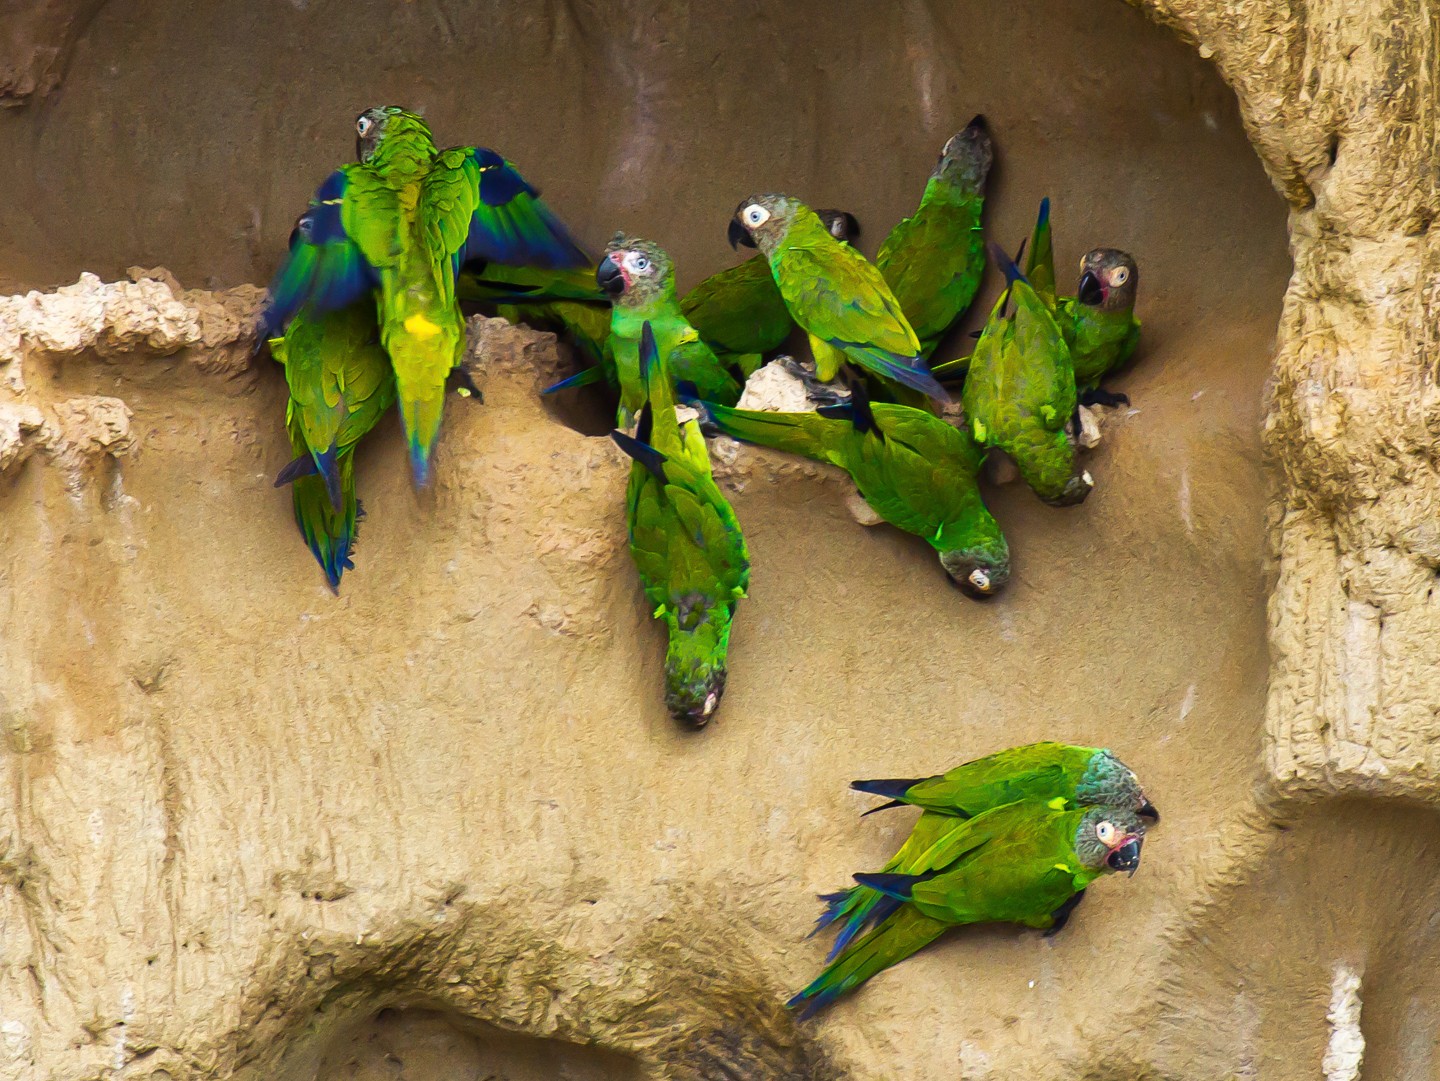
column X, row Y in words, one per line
column 442, row 827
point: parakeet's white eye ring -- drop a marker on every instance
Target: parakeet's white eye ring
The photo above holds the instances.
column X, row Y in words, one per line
column 1120, row 276
column 756, row 215
column 980, row 580
column 641, row 263
column 1105, row 831
column 363, row 124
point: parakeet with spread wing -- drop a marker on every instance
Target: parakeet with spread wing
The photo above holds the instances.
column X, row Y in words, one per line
column 685, row 540
column 399, row 224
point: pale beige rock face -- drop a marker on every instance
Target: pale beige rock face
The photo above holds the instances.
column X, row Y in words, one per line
column 440, row 826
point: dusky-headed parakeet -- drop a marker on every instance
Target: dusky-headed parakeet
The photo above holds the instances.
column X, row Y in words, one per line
column 340, row 386
column 1020, row 391
column 640, row 279
column 1058, row 774
column 834, row 293
column 685, row 540
column 934, row 259
column 915, row 471
column 1026, row 863
column 1098, row 323
column 740, row 311
column 399, row 224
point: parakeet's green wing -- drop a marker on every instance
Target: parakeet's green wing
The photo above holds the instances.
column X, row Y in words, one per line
column 739, row 310
column 844, row 301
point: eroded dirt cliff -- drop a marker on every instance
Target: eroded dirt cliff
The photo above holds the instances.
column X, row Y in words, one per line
column 441, row 825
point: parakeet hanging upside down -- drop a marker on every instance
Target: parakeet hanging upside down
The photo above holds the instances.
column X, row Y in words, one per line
column 686, row 542
column 1058, row 774
column 740, row 312
column 915, row 471
column 1025, row 863
column 640, row 279
column 1020, row 391
column 839, row 299
column 934, row 259
column 399, row 224
column 340, row 386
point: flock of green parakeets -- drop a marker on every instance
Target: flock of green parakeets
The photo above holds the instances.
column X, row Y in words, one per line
column 366, row 312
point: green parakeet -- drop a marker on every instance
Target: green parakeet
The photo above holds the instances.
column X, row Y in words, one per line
column 1020, row 391
column 398, row 225
column 740, row 311
column 934, row 259
column 1026, row 863
column 568, row 302
column 340, row 386
column 685, row 540
column 640, row 279
column 1055, row 773
column 915, row 471
column 839, row 299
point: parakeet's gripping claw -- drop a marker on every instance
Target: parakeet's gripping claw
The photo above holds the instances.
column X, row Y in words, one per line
column 1062, row 915
column 1106, row 398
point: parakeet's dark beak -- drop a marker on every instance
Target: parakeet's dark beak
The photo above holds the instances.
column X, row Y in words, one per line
column 609, row 278
column 1091, row 293
column 978, row 124
column 1148, row 810
column 738, row 235
column 1125, row 858
column 851, row 227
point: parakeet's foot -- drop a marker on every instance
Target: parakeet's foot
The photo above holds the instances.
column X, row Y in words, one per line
column 818, row 392
column 461, row 383
column 1107, row 398
column 1062, row 915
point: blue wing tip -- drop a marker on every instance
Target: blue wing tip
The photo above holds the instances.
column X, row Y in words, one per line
column 1007, row 265
column 1044, row 211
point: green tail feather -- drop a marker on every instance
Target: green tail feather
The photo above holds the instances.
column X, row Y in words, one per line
column 795, row 433
column 330, row 533
column 421, row 418
column 903, row 934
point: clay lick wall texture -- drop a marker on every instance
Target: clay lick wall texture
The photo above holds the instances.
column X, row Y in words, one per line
column 442, row 826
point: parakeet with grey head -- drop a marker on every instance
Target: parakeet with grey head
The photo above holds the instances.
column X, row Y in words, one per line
column 836, row 296
column 1020, row 391
column 685, row 540
column 398, row 225
column 340, row 386
column 740, row 311
column 639, row 277
column 934, row 259
column 1057, row 774
column 915, row 471
column 1098, row 323
column 1025, row 863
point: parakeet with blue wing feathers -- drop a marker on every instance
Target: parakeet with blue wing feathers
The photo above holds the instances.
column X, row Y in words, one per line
column 640, row 279
column 934, row 259
column 1057, row 774
column 685, row 540
column 1025, row 863
column 740, row 311
column 1020, row 391
column 837, row 297
column 915, row 471
column 341, row 384
column 399, row 224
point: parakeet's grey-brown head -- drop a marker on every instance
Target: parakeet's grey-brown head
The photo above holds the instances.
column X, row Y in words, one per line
column 373, row 126
column 980, row 570
column 1110, row 838
column 840, row 224
column 1110, row 782
column 967, row 157
column 695, row 659
column 762, row 221
column 634, row 272
column 1109, row 279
